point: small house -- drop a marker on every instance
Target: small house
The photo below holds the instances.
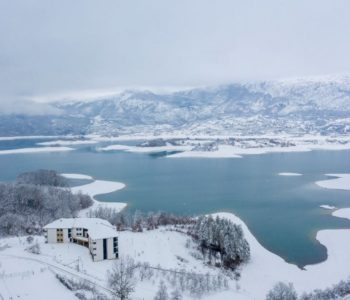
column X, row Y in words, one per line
column 96, row 234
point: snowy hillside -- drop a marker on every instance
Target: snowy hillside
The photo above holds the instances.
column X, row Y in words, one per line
column 300, row 106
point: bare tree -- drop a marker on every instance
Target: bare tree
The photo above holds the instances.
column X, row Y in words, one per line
column 121, row 279
column 282, row 291
column 176, row 295
column 162, row 293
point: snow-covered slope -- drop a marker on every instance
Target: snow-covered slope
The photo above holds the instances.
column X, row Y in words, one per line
column 299, row 106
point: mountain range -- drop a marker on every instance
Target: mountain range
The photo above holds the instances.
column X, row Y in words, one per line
column 318, row 105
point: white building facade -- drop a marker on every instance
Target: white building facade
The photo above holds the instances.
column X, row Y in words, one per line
column 96, row 234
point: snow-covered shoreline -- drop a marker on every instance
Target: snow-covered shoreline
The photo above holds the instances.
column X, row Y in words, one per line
column 266, row 268
column 136, row 149
column 242, row 145
column 164, row 247
column 340, row 181
column 289, row 174
column 248, row 146
column 97, row 187
column 67, row 143
column 35, row 150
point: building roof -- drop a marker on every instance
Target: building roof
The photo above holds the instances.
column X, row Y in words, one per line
column 98, row 228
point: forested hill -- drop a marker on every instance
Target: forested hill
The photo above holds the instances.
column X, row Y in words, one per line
column 35, row 199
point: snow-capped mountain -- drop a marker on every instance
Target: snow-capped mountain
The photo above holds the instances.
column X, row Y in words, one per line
column 300, row 106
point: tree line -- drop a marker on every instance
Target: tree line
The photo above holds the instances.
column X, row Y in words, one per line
column 287, row 292
column 35, row 199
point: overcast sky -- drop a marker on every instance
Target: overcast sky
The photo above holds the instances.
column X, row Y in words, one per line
column 50, row 49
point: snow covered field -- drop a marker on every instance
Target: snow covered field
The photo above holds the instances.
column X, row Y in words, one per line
column 166, row 249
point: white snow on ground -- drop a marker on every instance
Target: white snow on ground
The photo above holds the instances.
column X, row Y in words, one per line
column 95, row 188
column 289, row 174
column 266, row 268
column 342, row 213
column 67, row 143
column 76, row 176
column 137, row 149
column 163, row 248
column 35, row 150
column 25, row 279
column 342, row 182
column 326, row 206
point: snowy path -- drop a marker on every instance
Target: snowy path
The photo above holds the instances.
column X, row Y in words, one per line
column 58, row 268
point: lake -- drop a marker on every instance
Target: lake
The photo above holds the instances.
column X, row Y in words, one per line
column 281, row 211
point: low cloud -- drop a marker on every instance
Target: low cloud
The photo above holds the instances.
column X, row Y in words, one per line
column 27, row 107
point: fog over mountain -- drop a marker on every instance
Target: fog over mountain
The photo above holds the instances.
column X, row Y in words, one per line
column 63, row 47
column 300, row 106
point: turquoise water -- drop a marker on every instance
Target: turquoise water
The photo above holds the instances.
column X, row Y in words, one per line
column 281, row 211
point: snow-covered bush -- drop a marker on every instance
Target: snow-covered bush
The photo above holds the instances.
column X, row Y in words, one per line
column 282, row 291
column 187, row 282
column 145, row 271
column 337, row 291
column 221, row 236
column 30, row 239
column 85, row 201
column 35, row 249
column 82, row 289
